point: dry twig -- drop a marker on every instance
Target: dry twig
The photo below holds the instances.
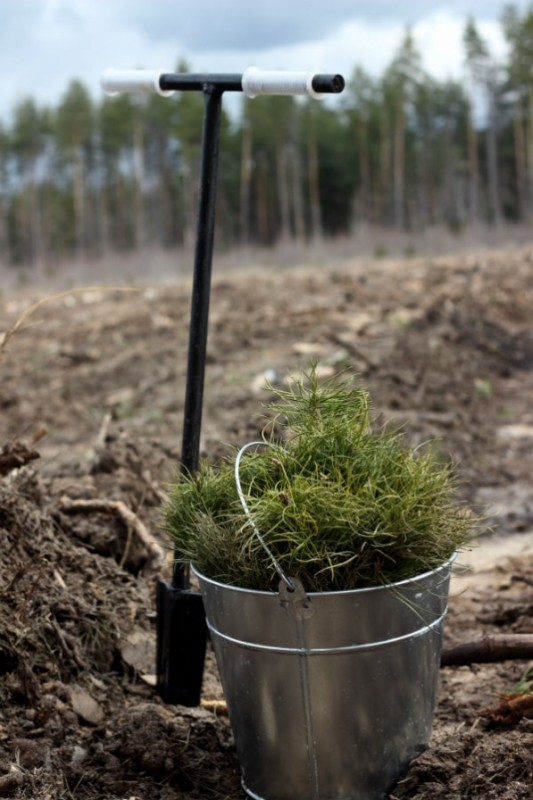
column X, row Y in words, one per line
column 8, row 335
column 67, row 642
column 131, row 520
column 216, row 706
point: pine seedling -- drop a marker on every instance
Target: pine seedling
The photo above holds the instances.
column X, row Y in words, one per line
column 342, row 503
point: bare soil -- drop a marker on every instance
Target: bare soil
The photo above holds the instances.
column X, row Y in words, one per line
column 445, row 347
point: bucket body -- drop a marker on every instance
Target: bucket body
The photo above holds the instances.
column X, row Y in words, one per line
column 331, row 704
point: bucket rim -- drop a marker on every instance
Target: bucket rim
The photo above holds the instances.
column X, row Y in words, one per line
column 446, row 565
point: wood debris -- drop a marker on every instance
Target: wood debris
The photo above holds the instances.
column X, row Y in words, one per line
column 489, row 649
column 130, row 520
column 510, row 709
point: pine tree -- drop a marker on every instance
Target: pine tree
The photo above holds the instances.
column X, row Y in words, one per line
column 484, row 73
column 74, row 129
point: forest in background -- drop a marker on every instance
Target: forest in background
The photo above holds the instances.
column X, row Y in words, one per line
column 402, row 151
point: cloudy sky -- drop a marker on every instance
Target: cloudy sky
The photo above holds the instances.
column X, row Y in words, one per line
column 45, row 43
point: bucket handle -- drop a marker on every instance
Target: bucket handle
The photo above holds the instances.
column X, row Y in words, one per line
column 290, row 584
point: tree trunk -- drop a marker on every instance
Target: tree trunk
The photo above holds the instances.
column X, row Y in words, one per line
column 520, row 160
column 34, row 224
column 314, row 184
column 364, row 172
column 473, row 171
column 246, row 182
column 31, row 216
column 283, row 190
column 529, row 151
column 163, row 211
column 399, row 168
column 189, row 198
column 4, row 249
column 425, row 185
column 263, row 228
column 104, row 215
column 492, row 164
column 103, row 211
column 296, row 192
column 138, row 171
column 383, row 190
column 78, row 186
column 450, row 211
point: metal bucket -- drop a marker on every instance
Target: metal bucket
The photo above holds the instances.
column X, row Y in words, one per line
column 330, row 695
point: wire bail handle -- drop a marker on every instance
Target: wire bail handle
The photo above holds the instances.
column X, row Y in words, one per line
column 292, row 593
column 286, row 580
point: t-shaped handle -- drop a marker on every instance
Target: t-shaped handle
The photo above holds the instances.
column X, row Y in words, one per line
column 252, row 82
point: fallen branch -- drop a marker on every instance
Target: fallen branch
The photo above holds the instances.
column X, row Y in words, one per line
column 510, row 709
column 131, row 520
column 489, row 650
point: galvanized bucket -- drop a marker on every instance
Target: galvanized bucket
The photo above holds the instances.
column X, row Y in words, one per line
column 330, row 695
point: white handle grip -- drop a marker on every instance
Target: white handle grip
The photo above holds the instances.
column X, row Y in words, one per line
column 114, row 81
column 257, row 81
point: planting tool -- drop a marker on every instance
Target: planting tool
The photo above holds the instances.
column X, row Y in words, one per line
column 181, row 626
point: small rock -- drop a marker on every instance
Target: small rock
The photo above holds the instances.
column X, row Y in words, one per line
column 259, row 382
column 311, row 348
column 79, row 754
column 138, row 651
column 403, row 317
column 86, row 706
column 160, row 322
column 121, row 397
column 358, row 322
column 515, row 432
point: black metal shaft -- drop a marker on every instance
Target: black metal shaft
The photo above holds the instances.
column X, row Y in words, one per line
column 194, row 390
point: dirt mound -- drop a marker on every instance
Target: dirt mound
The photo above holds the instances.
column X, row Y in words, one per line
column 445, row 347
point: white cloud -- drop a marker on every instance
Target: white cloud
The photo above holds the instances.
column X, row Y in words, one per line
column 439, row 38
column 45, row 43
